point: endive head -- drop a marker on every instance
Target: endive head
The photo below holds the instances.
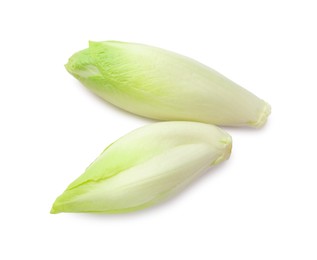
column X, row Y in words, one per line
column 145, row 167
column 161, row 84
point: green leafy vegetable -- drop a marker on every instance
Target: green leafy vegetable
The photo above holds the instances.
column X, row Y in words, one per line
column 163, row 85
column 145, row 167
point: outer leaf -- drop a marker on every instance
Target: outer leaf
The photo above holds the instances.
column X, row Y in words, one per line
column 145, row 167
column 163, row 85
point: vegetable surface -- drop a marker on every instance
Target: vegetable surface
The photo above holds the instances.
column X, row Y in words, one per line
column 163, row 85
column 146, row 167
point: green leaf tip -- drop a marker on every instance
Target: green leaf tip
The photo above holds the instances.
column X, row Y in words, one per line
column 163, row 85
column 145, row 167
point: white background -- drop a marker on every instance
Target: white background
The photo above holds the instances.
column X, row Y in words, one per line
column 261, row 204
